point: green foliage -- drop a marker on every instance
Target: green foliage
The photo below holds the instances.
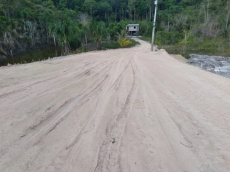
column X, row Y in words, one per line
column 90, row 5
column 81, row 50
column 208, row 22
column 146, row 28
column 62, row 4
column 207, row 46
column 167, row 38
column 115, row 44
column 124, row 42
column 114, row 29
column 146, row 38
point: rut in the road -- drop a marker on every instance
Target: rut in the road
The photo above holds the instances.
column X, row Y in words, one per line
column 108, row 158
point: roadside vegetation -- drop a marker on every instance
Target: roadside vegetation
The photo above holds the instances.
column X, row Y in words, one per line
column 190, row 26
column 183, row 26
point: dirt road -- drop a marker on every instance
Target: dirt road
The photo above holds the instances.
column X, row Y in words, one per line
column 127, row 110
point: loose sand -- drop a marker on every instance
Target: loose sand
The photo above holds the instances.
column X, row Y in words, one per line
column 126, row 110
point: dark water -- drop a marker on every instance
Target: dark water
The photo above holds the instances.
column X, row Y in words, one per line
column 215, row 64
column 32, row 56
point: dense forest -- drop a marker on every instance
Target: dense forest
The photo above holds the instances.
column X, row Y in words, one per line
column 191, row 24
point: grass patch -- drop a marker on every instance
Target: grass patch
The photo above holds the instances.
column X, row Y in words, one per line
column 206, row 47
column 175, row 49
column 190, row 49
column 81, row 50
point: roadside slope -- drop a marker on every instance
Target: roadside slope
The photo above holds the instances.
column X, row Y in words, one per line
column 117, row 110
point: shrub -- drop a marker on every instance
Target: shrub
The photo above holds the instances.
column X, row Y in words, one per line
column 167, row 38
column 123, row 42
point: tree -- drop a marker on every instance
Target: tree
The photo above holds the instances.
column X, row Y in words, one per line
column 132, row 8
column 90, row 5
column 84, row 19
column 62, row 4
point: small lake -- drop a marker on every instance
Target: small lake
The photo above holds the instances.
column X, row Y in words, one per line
column 215, row 64
column 32, row 56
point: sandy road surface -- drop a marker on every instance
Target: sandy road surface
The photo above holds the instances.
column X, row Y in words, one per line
column 124, row 110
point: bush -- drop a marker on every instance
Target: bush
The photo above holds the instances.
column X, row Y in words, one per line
column 81, row 50
column 114, row 29
column 123, row 42
column 115, row 44
column 167, row 38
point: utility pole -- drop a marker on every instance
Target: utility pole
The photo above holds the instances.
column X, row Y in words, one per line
column 154, row 24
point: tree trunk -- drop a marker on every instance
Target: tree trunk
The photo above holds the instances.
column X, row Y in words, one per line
column 86, row 42
column 105, row 18
column 47, row 37
column 227, row 17
column 208, row 11
column 115, row 14
column 54, row 39
column 11, row 53
column 227, row 20
column 150, row 13
column 134, row 13
column 168, row 23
